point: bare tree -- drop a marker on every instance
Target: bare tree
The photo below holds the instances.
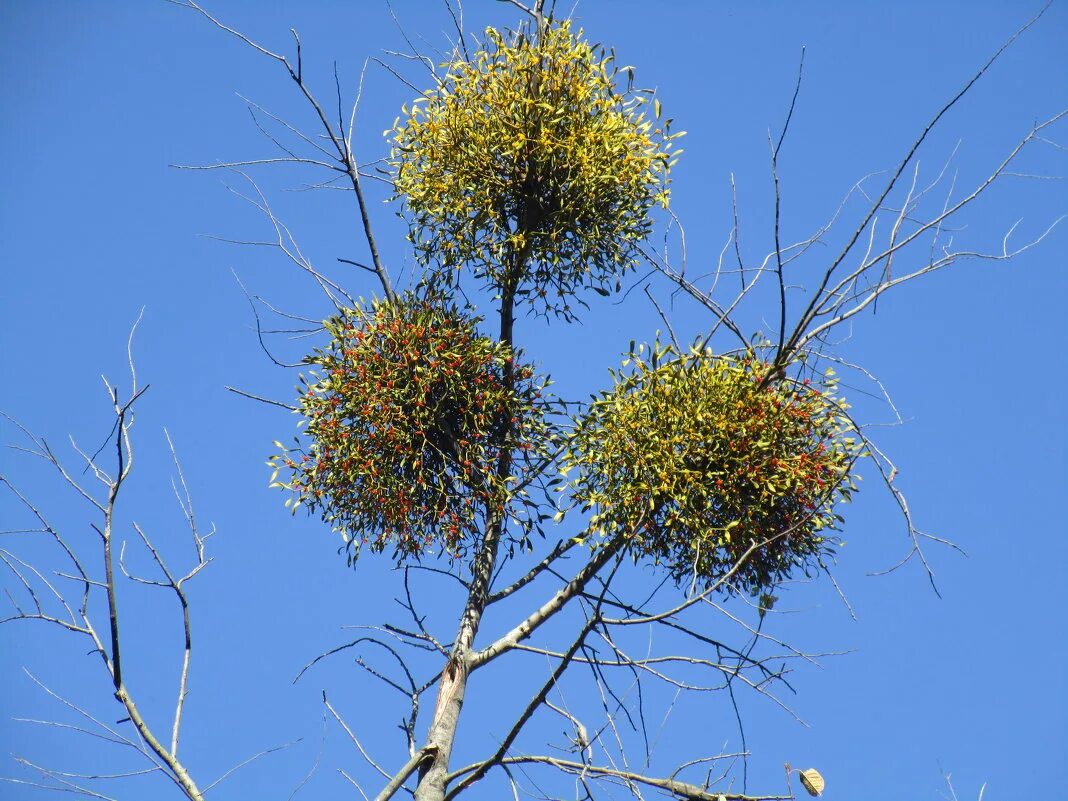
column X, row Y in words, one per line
column 50, row 601
column 698, row 631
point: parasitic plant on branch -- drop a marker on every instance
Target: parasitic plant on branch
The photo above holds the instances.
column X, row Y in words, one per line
column 620, row 540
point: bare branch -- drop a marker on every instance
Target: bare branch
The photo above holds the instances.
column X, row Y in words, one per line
column 679, row 788
column 338, row 138
column 524, row 629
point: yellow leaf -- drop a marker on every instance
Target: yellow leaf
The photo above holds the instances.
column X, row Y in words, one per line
column 812, row 781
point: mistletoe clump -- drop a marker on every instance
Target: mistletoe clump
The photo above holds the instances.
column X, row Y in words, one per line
column 406, row 421
column 704, row 467
column 527, row 164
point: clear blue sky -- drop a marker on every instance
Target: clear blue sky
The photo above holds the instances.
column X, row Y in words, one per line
column 99, row 98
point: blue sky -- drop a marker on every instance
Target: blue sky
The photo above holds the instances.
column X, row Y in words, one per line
column 98, row 101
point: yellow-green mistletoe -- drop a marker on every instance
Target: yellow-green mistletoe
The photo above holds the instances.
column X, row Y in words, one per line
column 528, row 165
column 699, row 463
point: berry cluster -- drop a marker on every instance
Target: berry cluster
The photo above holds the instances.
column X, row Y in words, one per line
column 406, row 422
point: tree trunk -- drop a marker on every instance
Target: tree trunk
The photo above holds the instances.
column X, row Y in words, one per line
column 453, row 683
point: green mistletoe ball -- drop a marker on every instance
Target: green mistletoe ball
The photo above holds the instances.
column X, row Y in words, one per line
column 404, row 426
column 530, row 166
column 708, row 471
